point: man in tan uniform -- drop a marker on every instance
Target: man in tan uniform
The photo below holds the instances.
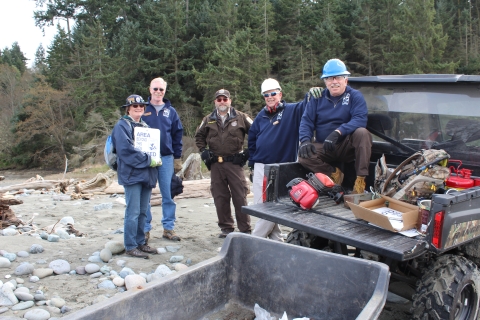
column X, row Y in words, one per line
column 220, row 139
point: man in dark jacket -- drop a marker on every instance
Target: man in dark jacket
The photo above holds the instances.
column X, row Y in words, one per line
column 223, row 132
column 339, row 120
column 161, row 115
column 277, row 123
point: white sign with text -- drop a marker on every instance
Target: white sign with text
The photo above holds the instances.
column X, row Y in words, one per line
column 148, row 141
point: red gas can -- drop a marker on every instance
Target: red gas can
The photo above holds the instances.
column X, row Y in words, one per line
column 459, row 178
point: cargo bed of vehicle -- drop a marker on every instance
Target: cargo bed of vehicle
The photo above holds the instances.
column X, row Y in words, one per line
column 337, row 223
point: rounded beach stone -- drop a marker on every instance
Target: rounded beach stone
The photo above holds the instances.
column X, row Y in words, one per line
column 10, row 256
column 24, row 269
column 180, row 267
column 42, row 272
column 60, row 266
column 106, row 255
column 34, row 279
column 10, row 232
column 57, row 302
column 22, row 254
column 37, row 314
column 80, row 270
column 92, row 268
column 135, row 281
column 107, row 284
column 118, row 281
column 23, row 296
column 66, row 220
column 115, row 247
column 4, row 262
column 23, row 305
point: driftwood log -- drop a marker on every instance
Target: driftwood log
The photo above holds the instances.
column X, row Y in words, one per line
column 97, row 184
column 191, row 168
column 191, row 189
column 47, row 184
column 7, row 217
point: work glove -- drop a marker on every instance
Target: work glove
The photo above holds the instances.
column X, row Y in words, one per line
column 205, row 155
column 251, row 174
column 331, row 141
column 307, row 149
column 315, row 92
column 154, row 163
column 177, row 165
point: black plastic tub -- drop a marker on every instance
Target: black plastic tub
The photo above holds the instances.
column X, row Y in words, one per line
column 277, row 276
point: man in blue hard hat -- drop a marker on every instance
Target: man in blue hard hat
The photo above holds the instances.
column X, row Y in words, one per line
column 339, row 120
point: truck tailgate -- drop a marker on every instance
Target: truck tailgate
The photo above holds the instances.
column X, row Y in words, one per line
column 338, row 224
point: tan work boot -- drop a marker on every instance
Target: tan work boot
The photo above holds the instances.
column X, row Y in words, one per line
column 359, row 186
column 170, row 235
column 337, row 176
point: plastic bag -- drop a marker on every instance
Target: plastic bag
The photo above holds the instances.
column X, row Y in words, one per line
column 262, row 314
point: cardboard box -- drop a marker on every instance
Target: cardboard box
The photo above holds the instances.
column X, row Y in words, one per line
column 364, row 211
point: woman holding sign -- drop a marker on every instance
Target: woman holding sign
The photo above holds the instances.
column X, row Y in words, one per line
column 136, row 173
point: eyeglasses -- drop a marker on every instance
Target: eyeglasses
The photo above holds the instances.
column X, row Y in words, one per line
column 158, row 89
column 338, row 78
column 137, row 106
column 273, row 94
column 222, row 99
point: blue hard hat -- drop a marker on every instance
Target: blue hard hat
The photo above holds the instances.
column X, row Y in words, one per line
column 334, row 67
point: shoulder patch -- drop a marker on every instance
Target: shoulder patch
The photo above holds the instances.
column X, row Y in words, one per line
column 249, row 120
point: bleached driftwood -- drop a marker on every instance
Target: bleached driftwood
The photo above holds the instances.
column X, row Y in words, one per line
column 191, row 189
column 191, row 168
column 47, row 184
column 97, row 184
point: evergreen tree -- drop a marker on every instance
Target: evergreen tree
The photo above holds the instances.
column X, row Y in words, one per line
column 40, row 63
column 59, row 59
column 14, row 57
column 418, row 43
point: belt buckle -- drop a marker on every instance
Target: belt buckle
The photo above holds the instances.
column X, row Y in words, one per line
column 220, row 159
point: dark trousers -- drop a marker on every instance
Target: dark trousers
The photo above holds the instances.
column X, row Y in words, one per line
column 355, row 147
column 228, row 181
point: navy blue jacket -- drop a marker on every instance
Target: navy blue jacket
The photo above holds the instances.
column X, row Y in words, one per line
column 133, row 165
column 273, row 138
column 325, row 116
column 171, row 129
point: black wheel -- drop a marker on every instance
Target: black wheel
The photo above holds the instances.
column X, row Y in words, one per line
column 448, row 290
column 304, row 239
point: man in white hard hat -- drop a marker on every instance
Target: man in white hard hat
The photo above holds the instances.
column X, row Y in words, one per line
column 276, row 123
column 339, row 121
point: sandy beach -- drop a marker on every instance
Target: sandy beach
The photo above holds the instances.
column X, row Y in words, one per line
column 196, row 224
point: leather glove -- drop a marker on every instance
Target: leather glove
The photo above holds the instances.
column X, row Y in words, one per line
column 331, row 141
column 315, row 92
column 154, row 163
column 307, row 149
column 177, row 165
column 205, row 154
column 251, row 174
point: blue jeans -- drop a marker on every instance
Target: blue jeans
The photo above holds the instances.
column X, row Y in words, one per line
column 165, row 173
column 137, row 198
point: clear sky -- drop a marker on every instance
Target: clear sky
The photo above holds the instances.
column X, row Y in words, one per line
column 17, row 24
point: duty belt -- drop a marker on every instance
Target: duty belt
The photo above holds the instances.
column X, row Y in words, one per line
column 221, row 159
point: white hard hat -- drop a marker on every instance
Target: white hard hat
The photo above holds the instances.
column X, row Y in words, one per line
column 270, row 84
